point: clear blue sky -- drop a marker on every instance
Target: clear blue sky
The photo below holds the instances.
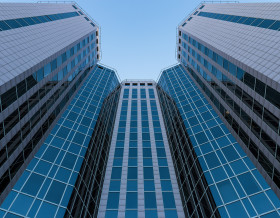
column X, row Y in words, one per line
column 138, row 37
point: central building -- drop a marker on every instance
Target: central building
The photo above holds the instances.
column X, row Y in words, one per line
column 140, row 180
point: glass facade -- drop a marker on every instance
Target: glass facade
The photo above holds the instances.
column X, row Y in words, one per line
column 75, row 142
column 248, row 104
column 85, row 198
column 237, row 187
column 21, row 135
column 196, row 195
column 45, row 187
column 140, row 179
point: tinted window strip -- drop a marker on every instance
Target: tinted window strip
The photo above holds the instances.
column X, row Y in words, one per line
column 24, row 155
column 24, row 108
column 14, row 93
column 27, row 128
column 28, row 21
column 250, row 21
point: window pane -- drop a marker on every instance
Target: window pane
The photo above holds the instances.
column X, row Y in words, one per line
column 150, row 200
column 113, row 200
column 168, row 200
column 131, row 200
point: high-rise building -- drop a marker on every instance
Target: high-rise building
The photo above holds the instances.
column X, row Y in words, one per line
column 65, row 176
column 140, row 180
column 215, row 176
column 231, row 51
column 203, row 141
column 43, row 64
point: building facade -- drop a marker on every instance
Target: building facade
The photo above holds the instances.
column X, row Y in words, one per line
column 140, row 180
column 231, row 49
column 65, row 176
column 215, row 176
column 203, row 141
column 43, row 63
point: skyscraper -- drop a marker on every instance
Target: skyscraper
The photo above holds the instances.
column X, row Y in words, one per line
column 77, row 142
column 43, row 64
column 231, row 51
column 140, row 178
column 215, row 176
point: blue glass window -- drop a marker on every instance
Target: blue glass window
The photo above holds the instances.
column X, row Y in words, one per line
column 171, row 214
column 151, row 213
column 161, row 152
column 147, row 152
column 131, row 200
column 149, row 185
column 168, row 200
column 230, row 153
column 63, row 175
column 116, row 173
column 227, row 191
column 164, row 173
column 162, row 162
column 69, row 160
column 132, row 152
column 131, row 185
column 158, row 136
column 166, row 185
column 249, row 183
column 133, row 136
column 212, row 160
column 148, row 173
column 43, row 167
column 147, row 161
column 55, row 192
column 21, row 204
column 120, row 136
column 47, row 69
column 79, row 138
column 146, row 136
column 118, row 152
column 115, row 185
column 131, row 214
column 132, row 173
column 261, row 203
column 132, row 162
column 113, row 200
column 47, row 208
column 150, row 200
column 117, row 162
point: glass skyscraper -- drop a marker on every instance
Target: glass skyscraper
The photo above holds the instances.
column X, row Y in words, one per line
column 43, row 64
column 228, row 49
column 140, row 178
column 202, row 141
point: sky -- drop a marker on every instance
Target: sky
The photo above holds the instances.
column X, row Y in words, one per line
column 138, row 37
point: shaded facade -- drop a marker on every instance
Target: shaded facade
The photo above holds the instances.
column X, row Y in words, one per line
column 84, row 201
column 192, row 182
